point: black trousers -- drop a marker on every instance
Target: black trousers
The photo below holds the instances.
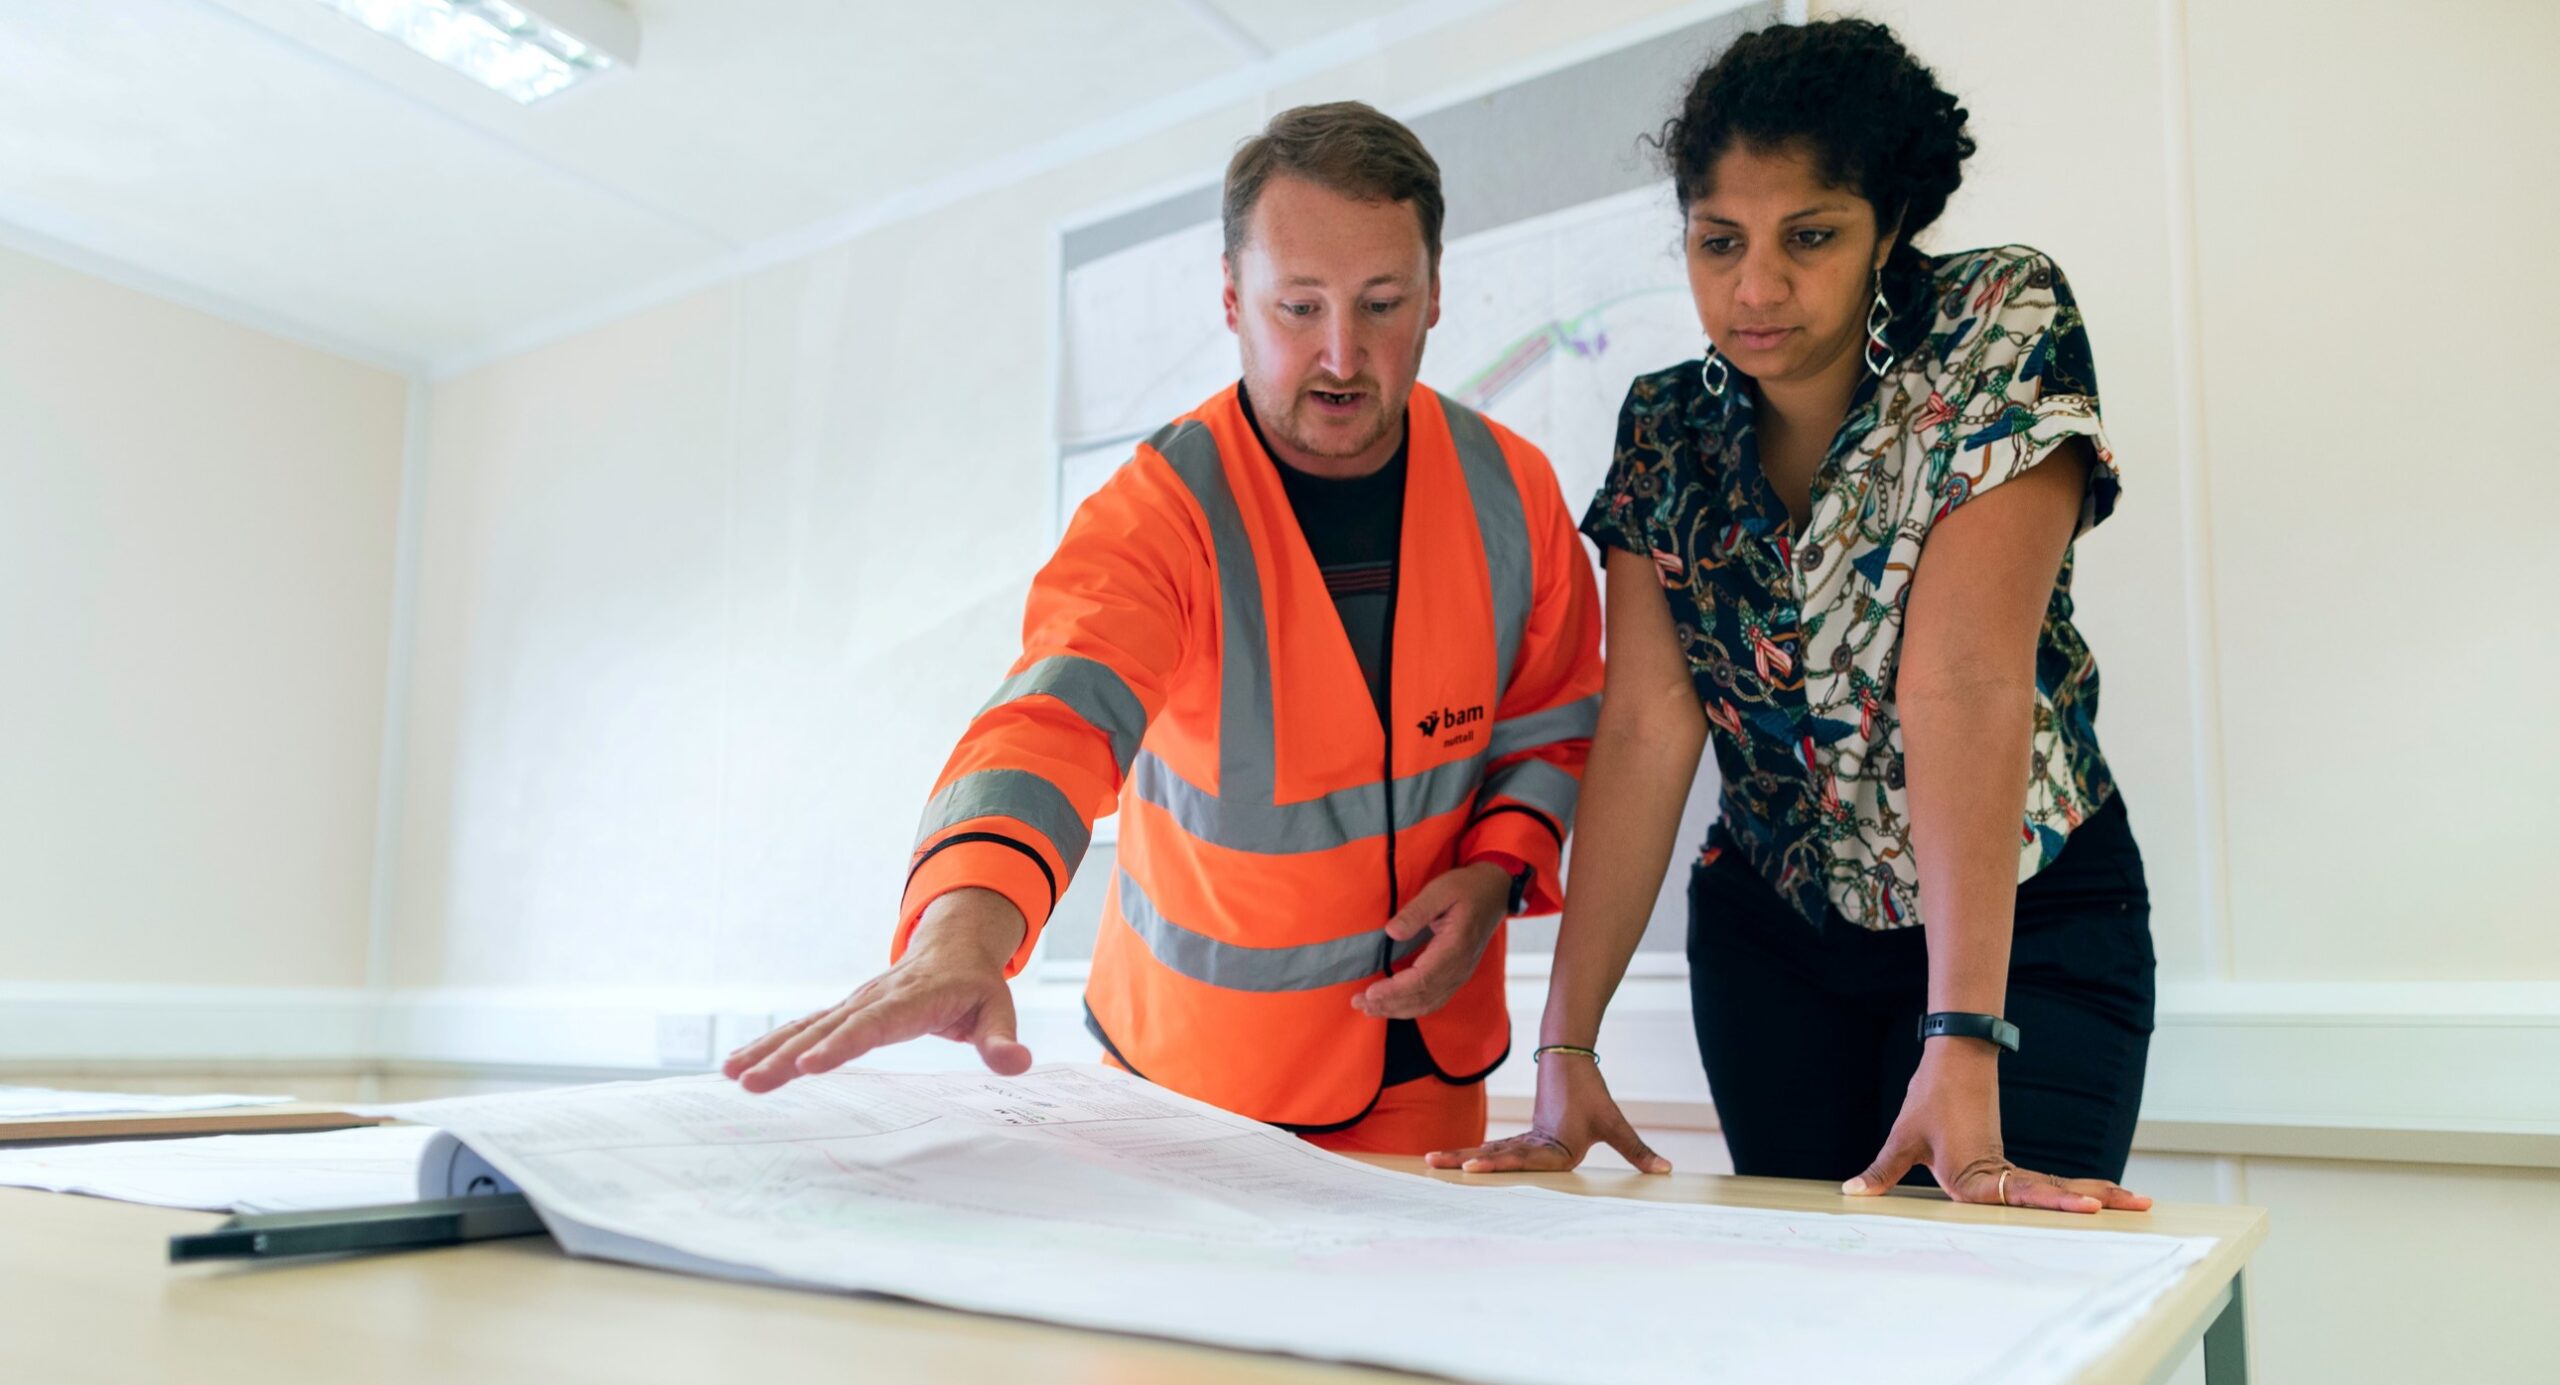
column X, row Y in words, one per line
column 1809, row 1034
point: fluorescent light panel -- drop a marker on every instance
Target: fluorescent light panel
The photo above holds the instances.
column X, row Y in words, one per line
column 508, row 46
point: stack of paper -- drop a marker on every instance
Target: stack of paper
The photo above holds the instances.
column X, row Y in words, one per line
column 27, row 1103
column 233, row 1173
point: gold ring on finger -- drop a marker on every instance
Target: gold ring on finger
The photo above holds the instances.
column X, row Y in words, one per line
column 2004, row 1187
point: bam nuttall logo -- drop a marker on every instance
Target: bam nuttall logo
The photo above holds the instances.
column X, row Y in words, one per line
column 1449, row 719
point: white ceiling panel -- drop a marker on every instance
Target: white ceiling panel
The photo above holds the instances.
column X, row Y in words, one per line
column 151, row 132
column 756, row 117
column 1284, row 24
column 276, row 155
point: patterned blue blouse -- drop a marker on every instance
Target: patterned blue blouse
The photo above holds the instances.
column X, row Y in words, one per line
column 1792, row 638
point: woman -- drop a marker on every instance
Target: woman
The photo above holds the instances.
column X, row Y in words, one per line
column 1840, row 544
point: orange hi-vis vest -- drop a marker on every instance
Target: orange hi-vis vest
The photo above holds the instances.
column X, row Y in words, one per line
column 1183, row 659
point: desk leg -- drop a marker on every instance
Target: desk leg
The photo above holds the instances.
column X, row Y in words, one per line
column 2226, row 1344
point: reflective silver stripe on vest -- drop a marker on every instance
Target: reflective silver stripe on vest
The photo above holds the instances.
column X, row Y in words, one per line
column 1317, row 824
column 1010, row 793
column 1235, row 967
column 1504, row 527
column 1092, row 691
column 1538, row 784
column 1572, row 721
column 1244, row 657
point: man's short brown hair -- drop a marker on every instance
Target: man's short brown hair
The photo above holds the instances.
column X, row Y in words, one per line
column 1347, row 146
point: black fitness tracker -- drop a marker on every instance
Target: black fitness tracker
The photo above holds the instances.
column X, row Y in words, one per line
column 1959, row 1025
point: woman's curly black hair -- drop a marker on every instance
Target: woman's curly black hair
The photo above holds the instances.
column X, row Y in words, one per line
column 1875, row 119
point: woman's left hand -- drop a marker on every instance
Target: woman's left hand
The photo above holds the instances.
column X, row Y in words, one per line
column 1950, row 1121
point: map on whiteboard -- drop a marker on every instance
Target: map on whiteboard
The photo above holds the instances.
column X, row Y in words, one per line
column 1543, row 324
column 1144, row 339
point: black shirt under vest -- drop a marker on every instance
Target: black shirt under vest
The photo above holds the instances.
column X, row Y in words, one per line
column 1355, row 528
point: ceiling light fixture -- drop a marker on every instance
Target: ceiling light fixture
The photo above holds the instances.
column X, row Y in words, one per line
column 508, row 46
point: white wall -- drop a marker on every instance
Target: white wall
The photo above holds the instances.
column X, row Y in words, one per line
column 2377, row 281
column 196, row 525
column 2331, row 201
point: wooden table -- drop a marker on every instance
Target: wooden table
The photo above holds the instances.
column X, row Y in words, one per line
column 86, row 1294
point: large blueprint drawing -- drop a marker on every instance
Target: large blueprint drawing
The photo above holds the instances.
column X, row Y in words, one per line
column 1080, row 1195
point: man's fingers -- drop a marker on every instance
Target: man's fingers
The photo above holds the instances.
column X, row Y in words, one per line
column 752, row 1052
column 880, row 1015
column 1632, row 1148
column 1388, row 999
column 781, row 1063
column 1409, row 994
column 889, row 1020
column 1004, row 1057
column 1413, row 992
column 1882, row 1175
column 1424, row 911
column 997, row 1048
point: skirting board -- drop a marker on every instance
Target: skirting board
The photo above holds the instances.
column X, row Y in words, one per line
column 2437, row 1072
column 112, row 1023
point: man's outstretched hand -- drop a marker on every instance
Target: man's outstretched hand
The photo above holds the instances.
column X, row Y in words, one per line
column 951, row 984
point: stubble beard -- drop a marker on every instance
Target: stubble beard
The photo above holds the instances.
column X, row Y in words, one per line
column 1287, row 421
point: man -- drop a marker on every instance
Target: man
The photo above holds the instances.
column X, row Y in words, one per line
column 1330, row 644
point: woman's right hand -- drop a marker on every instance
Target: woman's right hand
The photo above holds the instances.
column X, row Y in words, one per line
column 1574, row 1112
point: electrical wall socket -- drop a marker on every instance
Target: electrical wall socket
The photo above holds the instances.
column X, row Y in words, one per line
column 734, row 1030
column 684, row 1041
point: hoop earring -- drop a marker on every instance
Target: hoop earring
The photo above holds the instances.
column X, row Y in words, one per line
column 1713, row 372
column 1879, row 317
